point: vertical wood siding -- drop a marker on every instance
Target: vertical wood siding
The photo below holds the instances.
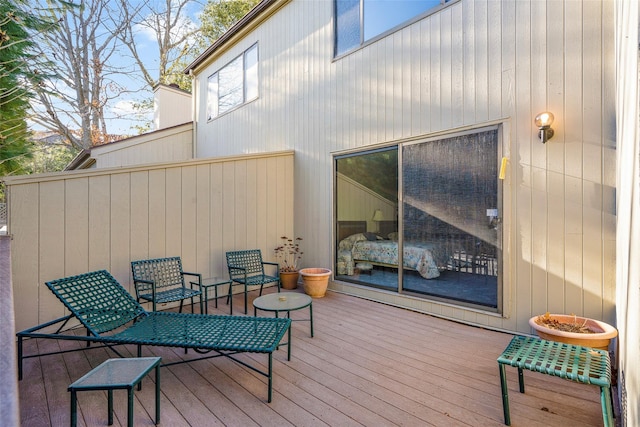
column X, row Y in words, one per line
column 470, row 64
column 72, row 223
column 174, row 144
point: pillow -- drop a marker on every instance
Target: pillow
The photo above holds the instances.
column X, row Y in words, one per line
column 393, row 236
column 371, row 236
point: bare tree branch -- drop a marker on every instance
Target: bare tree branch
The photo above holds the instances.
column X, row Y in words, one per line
column 174, row 33
column 79, row 53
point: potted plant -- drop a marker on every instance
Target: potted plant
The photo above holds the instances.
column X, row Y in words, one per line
column 315, row 281
column 289, row 255
column 572, row 329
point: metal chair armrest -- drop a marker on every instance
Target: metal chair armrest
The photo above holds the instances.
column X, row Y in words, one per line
column 198, row 275
column 148, row 282
column 275, row 264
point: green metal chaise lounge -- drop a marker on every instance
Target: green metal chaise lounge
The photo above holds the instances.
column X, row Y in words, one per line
column 112, row 317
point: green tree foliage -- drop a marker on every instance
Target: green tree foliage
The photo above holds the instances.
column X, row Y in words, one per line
column 18, row 71
column 218, row 16
column 48, row 157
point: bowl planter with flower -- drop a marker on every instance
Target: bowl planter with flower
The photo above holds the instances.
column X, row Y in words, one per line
column 315, row 281
column 289, row 256
column 574, row 330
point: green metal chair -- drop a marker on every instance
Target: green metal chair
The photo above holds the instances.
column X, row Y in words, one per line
column 161, row 280
column 246, row 268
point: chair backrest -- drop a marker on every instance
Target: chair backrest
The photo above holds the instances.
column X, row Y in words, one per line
column 99, row 302
column 250, row 260
column 164, row 272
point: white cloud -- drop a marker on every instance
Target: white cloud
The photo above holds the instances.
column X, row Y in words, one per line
column 151, row 25
column 124, row 108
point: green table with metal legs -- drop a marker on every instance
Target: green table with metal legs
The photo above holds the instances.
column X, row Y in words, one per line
column 117, row 374
column 581, row 364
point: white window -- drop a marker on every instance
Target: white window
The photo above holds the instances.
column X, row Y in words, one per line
column 234, row 84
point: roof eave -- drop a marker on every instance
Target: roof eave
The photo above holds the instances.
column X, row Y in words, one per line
column 82, row 160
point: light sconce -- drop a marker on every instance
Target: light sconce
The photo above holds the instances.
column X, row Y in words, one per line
column 544, row 121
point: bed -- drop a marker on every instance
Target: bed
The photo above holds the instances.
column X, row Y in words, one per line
column 357, row 246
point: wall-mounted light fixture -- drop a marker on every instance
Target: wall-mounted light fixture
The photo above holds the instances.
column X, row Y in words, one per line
column 544, row 121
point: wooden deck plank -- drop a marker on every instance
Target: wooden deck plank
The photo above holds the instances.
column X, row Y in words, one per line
column 451, row 379
column 32, row 395
column 368, row 364
column 56, row 380
column 407, row 391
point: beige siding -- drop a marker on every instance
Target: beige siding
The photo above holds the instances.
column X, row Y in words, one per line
column 71, row 223
column 174, row 144
column 471, row 64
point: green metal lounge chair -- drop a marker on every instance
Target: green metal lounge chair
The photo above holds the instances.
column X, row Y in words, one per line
column 161, row 280
column 112, row 317
column 246, row 268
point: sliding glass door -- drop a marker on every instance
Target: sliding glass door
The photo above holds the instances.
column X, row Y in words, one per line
column 432, row 207
column 451, row 206
column 367, row 218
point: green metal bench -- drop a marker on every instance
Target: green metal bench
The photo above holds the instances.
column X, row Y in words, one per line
column 112, row 317
column 582, row 364
column 161, row 280
column 246, row 268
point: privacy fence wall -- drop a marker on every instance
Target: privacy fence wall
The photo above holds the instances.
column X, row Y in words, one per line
column 74, row 222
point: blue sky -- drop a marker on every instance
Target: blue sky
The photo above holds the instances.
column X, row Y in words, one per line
column 147, row 46
column 131, row 79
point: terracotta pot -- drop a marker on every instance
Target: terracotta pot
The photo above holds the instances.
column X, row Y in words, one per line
column 315, row 281
column 289, row 279
column 603, row 335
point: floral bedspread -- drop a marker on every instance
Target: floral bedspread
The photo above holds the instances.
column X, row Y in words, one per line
column 417, row 257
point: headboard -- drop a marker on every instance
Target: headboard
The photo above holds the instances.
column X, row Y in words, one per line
column 347, row 228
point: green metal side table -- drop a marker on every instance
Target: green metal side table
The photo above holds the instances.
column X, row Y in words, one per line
column 581, row 364
column 214, row 282
column 117, row 374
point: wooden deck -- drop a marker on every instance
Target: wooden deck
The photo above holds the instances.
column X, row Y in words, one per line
column 369, row 364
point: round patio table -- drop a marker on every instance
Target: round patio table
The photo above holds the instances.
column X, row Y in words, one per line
column 286, row 302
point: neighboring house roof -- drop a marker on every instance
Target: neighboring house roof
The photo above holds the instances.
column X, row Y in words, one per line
column 172, row 86
column 82, row 160
column 178, row 136
column 50, row 138
column 251, row 20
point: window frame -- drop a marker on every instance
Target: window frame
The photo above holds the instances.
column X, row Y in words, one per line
column 213, row 84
